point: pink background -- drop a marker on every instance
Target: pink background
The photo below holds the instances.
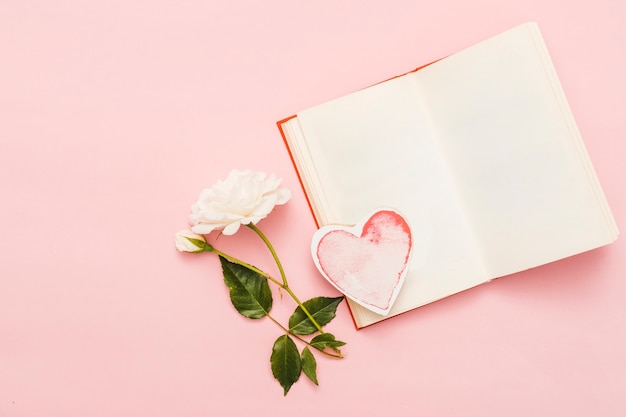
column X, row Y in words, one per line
column 115, row 114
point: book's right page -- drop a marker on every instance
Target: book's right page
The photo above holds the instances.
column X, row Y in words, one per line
column 515, row 153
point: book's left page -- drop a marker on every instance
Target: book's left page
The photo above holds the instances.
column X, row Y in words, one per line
column 375, row 148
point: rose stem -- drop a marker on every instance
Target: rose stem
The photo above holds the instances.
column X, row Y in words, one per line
column 284, row 277
column 210, row 248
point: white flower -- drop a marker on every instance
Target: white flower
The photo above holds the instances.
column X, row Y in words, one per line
column 187, row 241
column 244, row 197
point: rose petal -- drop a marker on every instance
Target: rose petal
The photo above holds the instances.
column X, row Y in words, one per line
column 243, row 197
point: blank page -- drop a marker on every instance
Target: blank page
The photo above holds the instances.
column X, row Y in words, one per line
column 526, row 182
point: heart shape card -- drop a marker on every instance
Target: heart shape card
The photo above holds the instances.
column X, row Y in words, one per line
column 367, row 262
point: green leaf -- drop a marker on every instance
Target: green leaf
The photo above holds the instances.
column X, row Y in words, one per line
column 321, row 308
column 285, row 361
column 326, row 340
column 249, row 291
column 309, row 365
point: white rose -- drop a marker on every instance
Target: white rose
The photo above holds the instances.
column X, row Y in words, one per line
column 244, row 197
column 187, row 241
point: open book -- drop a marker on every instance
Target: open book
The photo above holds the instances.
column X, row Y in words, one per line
column 478, row 150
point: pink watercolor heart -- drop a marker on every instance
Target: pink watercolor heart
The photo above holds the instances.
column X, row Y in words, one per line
column 367, row 262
